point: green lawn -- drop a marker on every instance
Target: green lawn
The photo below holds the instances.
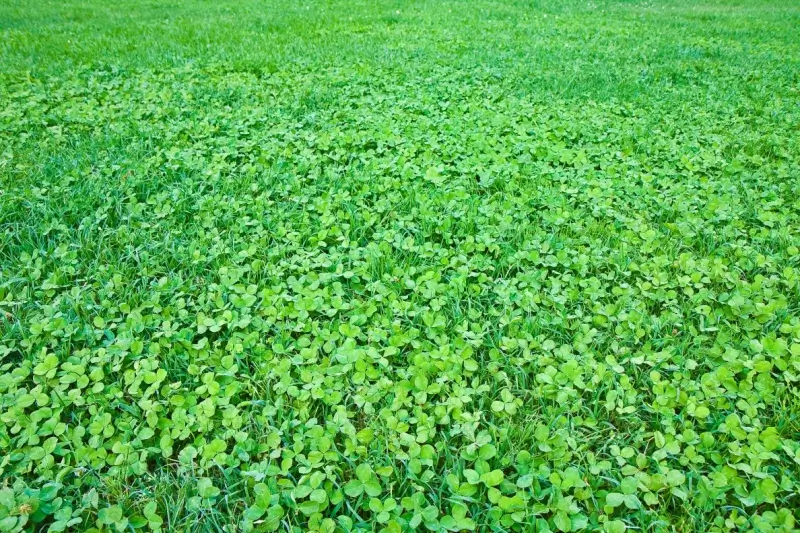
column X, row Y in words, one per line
column 508, row 266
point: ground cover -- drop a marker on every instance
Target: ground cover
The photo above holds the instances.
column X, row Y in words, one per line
column 400, row 266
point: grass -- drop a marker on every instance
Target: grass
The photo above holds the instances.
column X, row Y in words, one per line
column 400, row 266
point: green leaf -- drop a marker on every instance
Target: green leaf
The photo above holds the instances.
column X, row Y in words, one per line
column 254, row 512
column 363, row 473
column 525, row 481
column 319, row 496
column 138, row 521
column 493, row 478
column 472, row 476
column 308, row 507
column 354, row 488
column 562, row 521
column 273, row 519
column 7, row 498
column 9, row 523
column 110, row 515
column 206, row 488
column 614, row 499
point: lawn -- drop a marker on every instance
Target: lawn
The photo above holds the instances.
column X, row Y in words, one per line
column 490, row 265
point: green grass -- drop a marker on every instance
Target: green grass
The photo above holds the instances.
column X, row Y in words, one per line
column 400, row 266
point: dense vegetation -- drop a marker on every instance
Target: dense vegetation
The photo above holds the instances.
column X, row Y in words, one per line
column 400, row 266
